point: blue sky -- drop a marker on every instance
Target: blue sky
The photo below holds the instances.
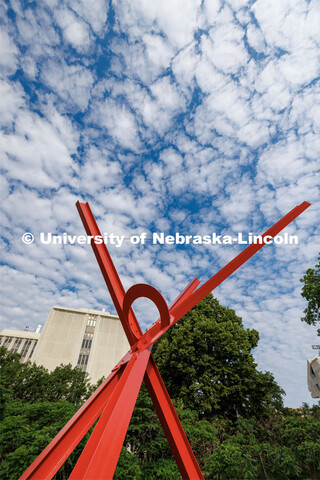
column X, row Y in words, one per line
column 176, row 116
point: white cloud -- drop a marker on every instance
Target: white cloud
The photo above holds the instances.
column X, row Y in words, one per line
column 11, row 99
column 301, row 67
column 145, row 59
column 97, row 172
column 183, row 67
column 158, row 50
column 92, row 11
column 8, row 53
column 37, row 152
column 255, row 38
column 159, row 109
column 72, row 83
column 285, row 162
column 119, row 122
column 289, row 24
column 305, row 111
column 240, row 201
column 75, row 31
column 254, row 133
column 160, row 15
column 36, row 31
column 208, row 77
column 29, row 67
column 220, row 138
column 225, row 47
column 209, row 14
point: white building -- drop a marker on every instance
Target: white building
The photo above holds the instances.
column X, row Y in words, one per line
column 88, row 339
column 22, row 342
column 314, row 377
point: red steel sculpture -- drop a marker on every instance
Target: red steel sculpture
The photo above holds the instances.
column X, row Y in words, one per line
column 115, row 399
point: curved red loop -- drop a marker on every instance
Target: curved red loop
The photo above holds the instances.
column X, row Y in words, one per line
column 143, row 290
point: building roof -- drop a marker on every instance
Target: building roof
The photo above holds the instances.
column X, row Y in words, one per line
column 20, row 334
column 85, row 311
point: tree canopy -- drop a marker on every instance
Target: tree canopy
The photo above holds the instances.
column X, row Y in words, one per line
column 231, row 412
column 311, row 292
column 206, row 361
column 35, row 404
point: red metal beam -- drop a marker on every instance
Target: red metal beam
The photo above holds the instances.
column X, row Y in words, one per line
column 46, row 465
column 100, row 456
column 186, row 292
column 112, row 278
column 183, row 307
column 115, row 391
column 109, row 273
column 232, row 266
column 178, row 441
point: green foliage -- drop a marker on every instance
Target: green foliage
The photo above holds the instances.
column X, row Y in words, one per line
column 280, row 461
column 311, row 292
column 26, row 430
column 128, row 466
column 202, row 434
column 162, row 469
column 35, row 405
column 230, row 461
column 146, row 439
column 280, row 447
column 33, row 383
column 300, row 432
column 206, row 361
column 231, row 412
column 147, row 442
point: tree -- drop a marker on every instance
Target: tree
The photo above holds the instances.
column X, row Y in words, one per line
column 26, row 430
column 128, row 466
column 285, row 445
column 311, row 292
column 206, row 361
column 253, row 440
column 35, row 405
column 148, row 444
column 33, row 383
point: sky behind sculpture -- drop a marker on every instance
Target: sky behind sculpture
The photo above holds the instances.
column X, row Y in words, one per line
column 168, row 116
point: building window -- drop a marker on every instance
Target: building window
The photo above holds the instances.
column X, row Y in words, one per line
column 7, row 341
column 83, row 362
column 86, row 343
column 25, row 348
column 16, row 345
column 91, row 322
column 33, row 347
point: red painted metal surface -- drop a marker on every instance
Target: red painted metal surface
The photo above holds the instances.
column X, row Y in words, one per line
column 177, row 439
column 232, row 266
column 142, row 290
column 114, row 400
column 183, row 307
column 99, row 458
column 58, row 450
column 109, row 273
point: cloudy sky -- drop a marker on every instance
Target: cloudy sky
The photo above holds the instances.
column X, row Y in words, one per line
column 167, row 116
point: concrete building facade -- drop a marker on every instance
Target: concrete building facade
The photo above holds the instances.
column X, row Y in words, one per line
column 91, row 340
column 23, row 342
column 314, row 377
